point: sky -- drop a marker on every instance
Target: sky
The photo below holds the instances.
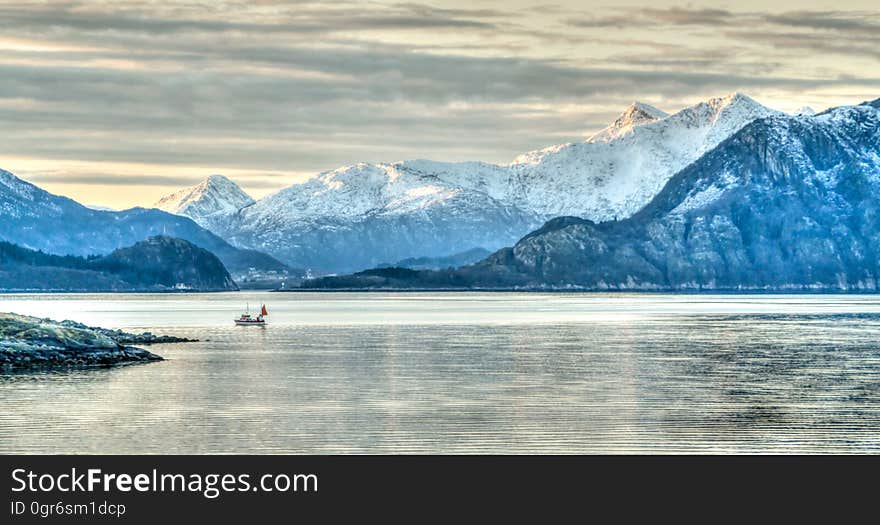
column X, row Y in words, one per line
column 118, row 103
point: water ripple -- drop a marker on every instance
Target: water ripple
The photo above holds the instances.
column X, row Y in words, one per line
column 465, row 373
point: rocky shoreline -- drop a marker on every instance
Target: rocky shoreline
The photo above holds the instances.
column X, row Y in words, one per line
column 29, row 343
column 144, row 338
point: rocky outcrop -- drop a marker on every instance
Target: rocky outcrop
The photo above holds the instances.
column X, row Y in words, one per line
column 28, row 343
column 127, row 338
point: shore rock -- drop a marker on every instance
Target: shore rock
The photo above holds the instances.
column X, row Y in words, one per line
column 33, row 343
column 144, row 338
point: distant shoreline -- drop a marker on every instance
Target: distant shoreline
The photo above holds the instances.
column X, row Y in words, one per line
column 824, row 291
column 162, row 292
column 451, row 290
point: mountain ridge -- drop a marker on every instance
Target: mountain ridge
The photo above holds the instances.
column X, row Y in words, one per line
column 216, row 196
column 155, row 264
column 786, row 203
column 423, row 208
column 37, row 219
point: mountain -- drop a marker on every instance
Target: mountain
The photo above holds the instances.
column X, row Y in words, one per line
column 786, row 203
column 37, row 219
column 806, row 111
column 436, row 263
column 156, row 264
column 213, row 199
column 362, row 215
column 169, row 262
column 616, row 176
column 637, row 114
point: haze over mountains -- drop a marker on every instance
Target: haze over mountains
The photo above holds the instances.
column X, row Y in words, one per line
column 363, row 215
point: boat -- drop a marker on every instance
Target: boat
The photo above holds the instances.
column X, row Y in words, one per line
column 246, row 319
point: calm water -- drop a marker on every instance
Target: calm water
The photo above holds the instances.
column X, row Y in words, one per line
column 463, row 373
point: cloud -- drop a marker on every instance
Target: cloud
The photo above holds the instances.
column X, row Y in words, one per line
column 265, row 180
column 112, row 179
column 284, row 17
column 837, row 21
column 842, row 23
column 671, row 16
column 306, row 86
column 796, row 42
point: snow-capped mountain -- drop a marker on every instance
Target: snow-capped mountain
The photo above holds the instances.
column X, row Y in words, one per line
column 364, row 215
column 213, row 199
column 357, row 216
column 34, row 218
column 636, row 114
column 616, row 172
column 790, row 202
column 806, row 111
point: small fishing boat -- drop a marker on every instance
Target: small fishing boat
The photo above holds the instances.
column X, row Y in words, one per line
column 247, row 319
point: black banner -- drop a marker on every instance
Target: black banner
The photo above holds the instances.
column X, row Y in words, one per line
column 153, row 489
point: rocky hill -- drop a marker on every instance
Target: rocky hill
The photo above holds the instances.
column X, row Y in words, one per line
column 156, row 264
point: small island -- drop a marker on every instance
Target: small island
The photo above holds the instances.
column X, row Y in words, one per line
column 32, row 343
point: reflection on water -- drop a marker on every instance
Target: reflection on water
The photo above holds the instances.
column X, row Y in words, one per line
column 463, row 373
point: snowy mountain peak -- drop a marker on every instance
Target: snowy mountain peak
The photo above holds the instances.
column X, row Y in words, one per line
column 8, row 179
column 805, row 111
column 215, row 180
column 636, row 114
column 638, row 111
column 214, row 196
column 14, row 186
column 735, row 107
column 614, row 174
column 733, row 98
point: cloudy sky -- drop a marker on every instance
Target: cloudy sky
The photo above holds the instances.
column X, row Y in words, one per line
column 117, row 103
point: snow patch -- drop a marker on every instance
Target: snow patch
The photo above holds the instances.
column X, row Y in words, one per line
column 706, row 196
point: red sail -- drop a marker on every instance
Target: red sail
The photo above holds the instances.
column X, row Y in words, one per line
column 263, row 311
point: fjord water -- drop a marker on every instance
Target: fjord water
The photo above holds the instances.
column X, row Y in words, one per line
column 462, row 373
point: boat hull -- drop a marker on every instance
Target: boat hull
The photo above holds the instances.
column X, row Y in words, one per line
column 250, row 323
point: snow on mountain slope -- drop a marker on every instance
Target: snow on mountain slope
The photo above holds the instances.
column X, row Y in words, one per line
column 33, row 218
column 788, row 203
column 637, row 114
column 611, row 175
column 22, row 200
column 214, row 198
column 805, row 111
column 614, row 173
column 360, row 216
column 609, row 178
